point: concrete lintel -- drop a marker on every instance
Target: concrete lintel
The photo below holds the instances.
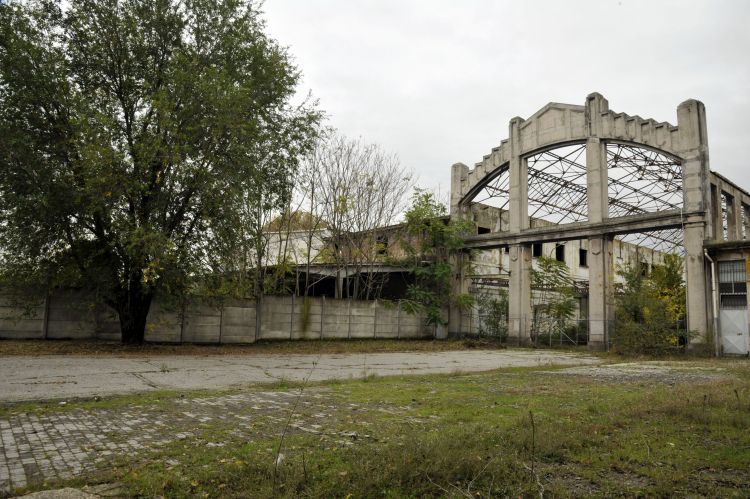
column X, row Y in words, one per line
column 583, row 230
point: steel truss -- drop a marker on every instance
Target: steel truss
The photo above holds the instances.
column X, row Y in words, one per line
column 640, row 181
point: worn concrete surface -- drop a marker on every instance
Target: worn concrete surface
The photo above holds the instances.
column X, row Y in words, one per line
column 60, row 377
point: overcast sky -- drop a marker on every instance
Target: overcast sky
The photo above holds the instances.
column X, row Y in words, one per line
column 437, row 81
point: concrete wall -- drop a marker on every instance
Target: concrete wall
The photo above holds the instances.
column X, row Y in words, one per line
column 67, row 314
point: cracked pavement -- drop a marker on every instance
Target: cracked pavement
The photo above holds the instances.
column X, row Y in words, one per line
column 28, row 378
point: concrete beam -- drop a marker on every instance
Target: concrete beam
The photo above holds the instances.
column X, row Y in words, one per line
column 584, row 230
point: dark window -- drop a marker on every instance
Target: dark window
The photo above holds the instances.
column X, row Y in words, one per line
column 536, row 250
column 644, row 269
column 382, row 245
column 583, row 257
column 483, row 230
column 560, row 252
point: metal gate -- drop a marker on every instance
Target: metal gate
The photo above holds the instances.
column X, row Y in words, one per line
column 733, row 307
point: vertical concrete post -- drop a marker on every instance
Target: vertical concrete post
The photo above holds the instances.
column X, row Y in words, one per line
column 601, row 280
column 691, row 122
column 734, row 215
column 459, row 173
column 322, row 313
column 519, row 292
column 600, row 248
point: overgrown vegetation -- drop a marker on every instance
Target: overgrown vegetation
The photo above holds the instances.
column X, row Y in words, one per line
column 553, row 300
column 493, row 314
column 434, row 246
column 472, row 435
column 650, row 309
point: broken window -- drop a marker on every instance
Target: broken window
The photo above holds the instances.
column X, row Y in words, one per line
column 560, row 253
column 536, row 250
column 583, row 257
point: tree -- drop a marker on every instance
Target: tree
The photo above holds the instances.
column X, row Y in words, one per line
column 358, row 189
column 650, row 308
column 139, row 140
column 433, row 243
column 552, row 296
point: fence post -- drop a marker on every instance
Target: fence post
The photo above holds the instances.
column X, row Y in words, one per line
column 398, row 321
column 258, row 316
column 322, row 311
column 182, row 321
column 375, row 322
column 221, row 322
column 291, row 320
column 45, row 316
column 349, row 310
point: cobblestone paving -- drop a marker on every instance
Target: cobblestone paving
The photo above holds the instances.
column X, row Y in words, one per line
column 37, row 448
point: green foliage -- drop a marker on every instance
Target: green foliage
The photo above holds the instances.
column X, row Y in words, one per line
column 553, row 297
column 433, row 245
column 650, row 308
column 493, row 313
column 139, row 140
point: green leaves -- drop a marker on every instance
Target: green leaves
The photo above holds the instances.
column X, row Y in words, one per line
column 133, row 135
column 649, row 308
column 433, row 243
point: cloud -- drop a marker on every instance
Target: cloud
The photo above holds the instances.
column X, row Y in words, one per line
column 437, row 81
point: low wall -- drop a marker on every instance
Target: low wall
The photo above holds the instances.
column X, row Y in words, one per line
column 67, row 314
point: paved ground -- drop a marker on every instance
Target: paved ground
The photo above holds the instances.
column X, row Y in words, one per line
column 60, row 445
column 63, row 376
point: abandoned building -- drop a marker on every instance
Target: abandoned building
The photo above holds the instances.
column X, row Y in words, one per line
column 590, row 180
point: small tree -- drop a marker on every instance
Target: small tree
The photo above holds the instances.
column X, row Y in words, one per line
column 434, row 244
column 552, row 297
column 493, row 314
column 649, row 309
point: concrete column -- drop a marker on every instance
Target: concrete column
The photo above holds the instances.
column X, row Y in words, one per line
column 518, row 205
column 601, row 291
column 519, row 292
column 601, row 273
column 734, row 218
column 714, row 221
column 597, row 189
column 691, row 121
column 519, row 295
column 459, row 173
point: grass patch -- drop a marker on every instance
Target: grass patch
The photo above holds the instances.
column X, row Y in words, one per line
column 472, row 435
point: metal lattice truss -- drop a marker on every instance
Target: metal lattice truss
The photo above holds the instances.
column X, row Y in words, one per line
column 640, row 181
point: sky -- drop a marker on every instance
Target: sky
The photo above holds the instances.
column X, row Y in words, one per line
column 437, row 82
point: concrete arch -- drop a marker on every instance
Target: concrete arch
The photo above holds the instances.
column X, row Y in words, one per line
column 595, row 125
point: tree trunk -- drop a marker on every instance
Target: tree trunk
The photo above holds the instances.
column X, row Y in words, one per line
column 133, row 312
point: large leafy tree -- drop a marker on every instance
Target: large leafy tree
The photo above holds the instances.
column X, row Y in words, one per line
column 136, row 138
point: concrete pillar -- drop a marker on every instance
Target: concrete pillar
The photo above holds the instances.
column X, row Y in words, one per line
column 734, row 217
column 459, row 173
column 715, row 221
column 601, row 274
column 691, row 121
column 518, row 205
column 519, row 292
column 597, row 189
column 601, row 291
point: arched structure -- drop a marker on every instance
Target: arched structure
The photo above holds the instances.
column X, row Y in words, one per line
column 638, row 176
